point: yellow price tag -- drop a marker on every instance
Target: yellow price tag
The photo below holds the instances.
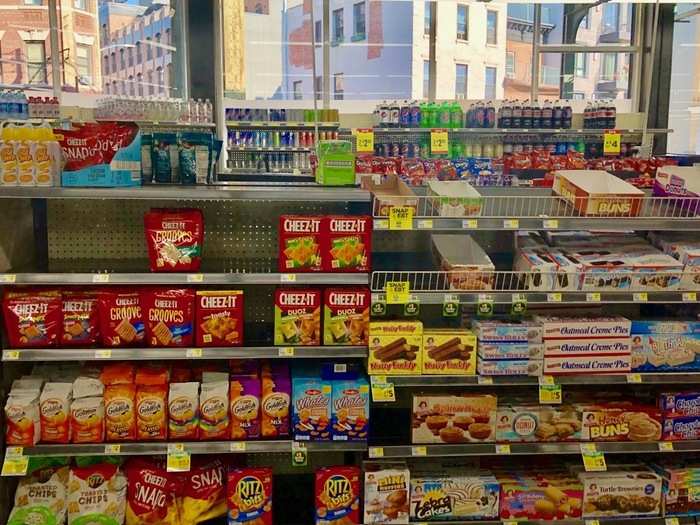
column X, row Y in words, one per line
column 690, row 297
column 425, row 224
column 113, row 449
column 15, row 466
column 103, row 354
column 100, row 278
column 178, row 462
column 400, row 218
column 592, row 522
column 550, row 394
column 381, row 224
column 365, row 140
column 665, row 446
column 641, row 297
column 8, row 278
column 383, row 391
column 286, row 351
column 419, row 451
column 470, row 224
column 634, row 378
column 511, row 224
column 593, row 297
column 672, row 521
column 546, row 380
column 397, row 292
column 593, row 460
column 439, row 141
column 288, row 278
column 193, row 352
column 237, row 446
column 376, row 452
column 611, row 143
column 195, row 277
column 554, row 297
column 10, row 355
column 502, row 449
column 550, row 224
column 484, row 380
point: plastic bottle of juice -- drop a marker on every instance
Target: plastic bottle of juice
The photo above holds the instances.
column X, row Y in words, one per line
column 8, row 159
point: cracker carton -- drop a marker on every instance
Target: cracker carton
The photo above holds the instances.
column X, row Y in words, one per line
column 214, row 411
column 338, row 495
column 244, row 399
column 345, row 316
column 297, row 316
column 311, row 404
column 350, row 410
column 249, row 496
column 386, row 493
column 54, row 412
column 347, row 243
column 276, row 396
column 300, row 240
column 183, row 411
column 395, row 347
column 451, row 352
column 219, row 318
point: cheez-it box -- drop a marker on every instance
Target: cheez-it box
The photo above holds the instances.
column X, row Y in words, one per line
column 219, row 316
column 347, row 243
column 297, row 316
column 345, row 316
column 300, row 239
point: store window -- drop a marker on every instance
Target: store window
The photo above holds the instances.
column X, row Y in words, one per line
column 122, row 61
column 608, row 70
column 611, row 17
column 492, row 27
column 462, row 22
column 132, row 88
column 297, row 90
column 607, row 75
column 80, row 4
column 33, row 2
column 461, row 79
column 36, row 62
column 319, row 88
column 149, row 77
column 318, row 31
column 159, row 48
column 358, row 17
column 510, row 64
column 131, row 56
column 139, row 56
column 149, row 48
column 426, row 79
column 139, row 82
column 581, row 66
column 427, row 18
column 105, row 65
column 490, row 74
column 338, row 89
column 338, row 26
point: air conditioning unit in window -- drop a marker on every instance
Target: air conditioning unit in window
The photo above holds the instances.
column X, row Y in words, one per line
column 85, row 80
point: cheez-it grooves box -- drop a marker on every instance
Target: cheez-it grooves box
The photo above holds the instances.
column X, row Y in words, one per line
column 347, row 243
column 300, row 238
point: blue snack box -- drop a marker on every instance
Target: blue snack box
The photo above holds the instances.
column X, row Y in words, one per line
column 311, row 409
column 350, row 410
column 665, row 353
column 667, row 326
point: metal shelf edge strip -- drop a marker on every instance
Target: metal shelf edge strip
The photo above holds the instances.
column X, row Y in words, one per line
column 184, row 278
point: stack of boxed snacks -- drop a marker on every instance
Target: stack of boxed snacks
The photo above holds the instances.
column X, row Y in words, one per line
column 453, row 419
column 681, row 415
column 453, row 199
column 520, row 421
column 681, row 480
column 665, row 346
column 576, row 345
column 685, row 247
column 508, row 348
column 467, row 265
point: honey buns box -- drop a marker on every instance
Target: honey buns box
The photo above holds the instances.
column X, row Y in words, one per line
column 395, row 348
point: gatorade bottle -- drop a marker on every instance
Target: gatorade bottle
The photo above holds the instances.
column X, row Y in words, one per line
column 456, row 115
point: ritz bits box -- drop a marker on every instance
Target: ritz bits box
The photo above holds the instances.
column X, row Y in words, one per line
column 347, row 243
column 338, row 495
column 395, row 347
column 219, row 318
column 300, row 238
column 297, row 316
column 249, row 496
column 449, row 352
column 345, row 316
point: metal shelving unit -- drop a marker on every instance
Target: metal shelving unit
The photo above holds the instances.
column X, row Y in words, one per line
column 504, row 381
column 163, row 354
column 276, row 124
column 682, row 520
column 524, row 131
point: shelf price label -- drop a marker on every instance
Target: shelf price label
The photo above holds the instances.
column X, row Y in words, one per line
column 671, row 521
column 378, row 304
column 640, row 297
column 503, row 449
column 237, row 446
column 419, row 451
column 178, row 459
column 397, row 292
column 439, row 141
column 450, row 305
column 381, row 224
column 411, row 308
column 484, row 306
column 10, row 355
column 376, row 452
column 193, row 352
column 690, row 297
column 113, row 449
column 593, row 459
column 634, row 378
column 593, row 297
column 365, row 140
column 518, row 304
column 400, row 218
column 8, row 278
column 665, row 446
column 592, row 522
column 554, row 297
column 100, row 278
column 484, row 380
column 195, row 277
column 550, row 394
column 611, row 143
column 470, row 224
column 288, row 278
column 15, row 463
column 300, row 454
column 511, row 224
column 103, row 354
column 550, row 224
column 425, row 224
column 286, row 351
column 382, row 390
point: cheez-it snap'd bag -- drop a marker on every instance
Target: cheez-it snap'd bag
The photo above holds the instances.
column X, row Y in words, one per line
column 174, row 239
column 203, row 491
column 151, row 494
column 33, row 319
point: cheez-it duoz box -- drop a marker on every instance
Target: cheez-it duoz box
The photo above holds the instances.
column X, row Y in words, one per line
column 297, row 316
column 347, row 243
column 346, row 316
column 300, row 239
column 395, row 347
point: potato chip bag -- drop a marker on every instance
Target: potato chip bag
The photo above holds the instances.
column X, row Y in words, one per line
column 96, row 494
column 41, row 497
column 54, row 412
column 183, row 411
column 249, row 496
column 204, row 491
column 151, row 494
column 213, row 411
column 87, row 420
column 120, row 417
column 151, row 412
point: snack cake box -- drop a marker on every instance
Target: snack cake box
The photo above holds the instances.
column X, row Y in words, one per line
column 297, row 316
column 527, row 423
column 507, row 332
column 337, row 492
column 439, row 497
column 663, row 327
column 508, row 367
column 546, row 497
column 453, row 419
column 395, row 347
column 587, row 364
column 346, row 316
column 300, row 240
column 490, row 351
column 589, row 347
column 597, row 192
column 681, row 428
column 579, row 327
column 665, row 353
column 347, row 243
column 169, row 316
column 621, row 422
column 680, row 404
column 450, row 352
column 350, row 410
column 387, row 487
column 624, row 493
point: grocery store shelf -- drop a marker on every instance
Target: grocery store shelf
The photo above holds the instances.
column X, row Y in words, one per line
column 492, row 449
column 270, row 149
column 684, row 520
column 587, row 379
column 146, row 354
column 275, row 124
column 184, row 278
column 277, row 192
column 162, row 123
column 194, row 447
column 523, row 131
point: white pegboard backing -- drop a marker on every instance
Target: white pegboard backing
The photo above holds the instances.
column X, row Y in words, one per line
column 113, row 229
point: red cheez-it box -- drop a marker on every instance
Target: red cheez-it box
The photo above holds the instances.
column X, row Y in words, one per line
column 347, row 243
column 300, row 238
column 338, row 495
column 219, row 318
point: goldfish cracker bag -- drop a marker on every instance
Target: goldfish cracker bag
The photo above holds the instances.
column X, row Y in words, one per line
column 151, row 412
column 274, row 405
column 204, row 491
column 33, row 319
column 22, row 423
column 249, row 496
column 41, row 497
column 213, row 411
column 87, row 420
column 117, row 374
column 96, row 494
column 183, row 411
column 120, row 417
column 54, row 412
column 151, row 494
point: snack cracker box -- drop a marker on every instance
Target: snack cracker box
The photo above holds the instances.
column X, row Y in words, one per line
column 347, row 243
column 338, row 495
column 345, row 316
column 219, row 318
column 350, row 410
column 297, row 316
column 244, row 399
column 54, row 412
column 386, row 493
column 300, row 240
column 249, row 496
column 174, row 239
column 453, row 419
column 449, row 352
column 311, row 403
column 169, row 317
column 621, row 422
column 33, row 320
column 395, row 347
column 276, row 397
column 121, row 318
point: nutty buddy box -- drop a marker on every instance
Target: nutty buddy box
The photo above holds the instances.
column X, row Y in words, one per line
column 449, row 352
column 297, row 316
column 345, row 316
column 395, row 347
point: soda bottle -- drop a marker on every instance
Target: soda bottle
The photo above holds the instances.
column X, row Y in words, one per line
column 536, row 115
column 567, row 115
column 611, row 114
column 517, row 118
column 556, row 116
column 490, row 120
column 415, row 114
column 456, row 115
column 600, row 116
column 478, row 116
column 546, row 121
column 395, row 112
column 444, row 115
column 527, row 115
column 405, row 115
column 384, row 114
column 507, row 112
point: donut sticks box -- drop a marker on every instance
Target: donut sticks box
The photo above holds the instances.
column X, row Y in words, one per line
column 453, row 419
column 395, row 347
column 338, row 495
column 386, row 493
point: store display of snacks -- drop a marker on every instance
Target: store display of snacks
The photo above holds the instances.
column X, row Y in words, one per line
column 174, row 239
column 517, row 423
column 297, row 316
column 453, row 199
column 281, row 115
column 395, row 347
column 597, row 193
column 453, row 419
column 448, row 352
column 685, row 247
column 467, row 265
column 388, row 193
column 337, row 491
column 681, row 483
column 386, row 490
column 179, row 157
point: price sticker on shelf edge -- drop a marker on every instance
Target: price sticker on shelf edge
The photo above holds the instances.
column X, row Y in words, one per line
column 195, row 277
column 8, row 278
column 439, row 141
column 100, row 278
column 419, row 451
column 518, row 304
column 411, row 308
column 640, row 297
column 364, row 140
column 671, row 521
column 425, row 224
column 382, row 390
column 237, row 446
column 193, row 352
column 376, row 452
column 554, row 297
column 15, row 462
column 484, row 380
column 103, row 354
column 593, row 297
column 10, row 355
column 503, row 449
column 400, row 218
column 634, row 378
column 378, row 304
column 300, row 454
column 550, row 224
column 511, row 224
column 550, row 394
column 592, row 522
column 113, row 448
column 611, row 143
column 665, row 446
column 450, row 305
column 470, row 224
column 288, row 277
column 178, row 459
column 593, row 459
column 484, row 306
column 690, row 297
column 381, row 224
column 286, row 351
column 397, row 292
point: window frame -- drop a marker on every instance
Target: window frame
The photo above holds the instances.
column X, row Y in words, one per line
column 464, row 94
column 88, row 59
column 338, row 94
column 464, row 34
column 426, row 79
column 338, row 27
column 510, row 64
column 34, row 65
column 359, row 35
column 495, row 27
column 487, row 69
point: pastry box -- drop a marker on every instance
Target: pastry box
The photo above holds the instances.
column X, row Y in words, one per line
column 598, row 193
column 527, row 423
column 454, row 496
column 453, row 199
column 395, row 347
column 449, row 352
column 469, row 267
column 621, row 493
column 453, row 419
